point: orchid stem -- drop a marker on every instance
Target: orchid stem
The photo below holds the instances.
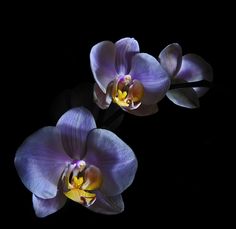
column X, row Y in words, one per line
column 101, row 114
column 113, row 118
column 107, row 118
column 201, row 83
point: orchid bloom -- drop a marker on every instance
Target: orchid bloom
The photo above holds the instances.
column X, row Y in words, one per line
column 134, row 81
column 189, row 68
column 76, row 160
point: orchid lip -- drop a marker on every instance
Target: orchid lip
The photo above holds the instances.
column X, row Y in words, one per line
column 80, row 181
column 126, row 92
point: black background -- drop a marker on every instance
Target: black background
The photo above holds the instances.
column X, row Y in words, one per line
column 180, row 152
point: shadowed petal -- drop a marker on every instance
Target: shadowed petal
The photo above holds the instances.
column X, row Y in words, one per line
column 144, row 110
column 154, row 78
column 75, row 125
column 40, row 161
column 126, row 48
column 102, row 60
column 114, row 158
column 194, row 68
column 109, row 205
column 184, row 97
column 45, row 207
column 101, row 99
column 171, row 58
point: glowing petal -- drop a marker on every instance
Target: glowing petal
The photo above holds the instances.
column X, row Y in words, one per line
column 114, row 158
column 171, row 59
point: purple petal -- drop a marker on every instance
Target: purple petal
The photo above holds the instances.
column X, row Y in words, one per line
column 184, row 97
column 45, row 207
column 154, row 78
column 171, row 58
column 102, row 60
column 114, row 158
column 75, row 125
column 40, row 161
column 144, row 110
column 101, row 99
column 108, row 205
column 126, row 48
column 194, row 68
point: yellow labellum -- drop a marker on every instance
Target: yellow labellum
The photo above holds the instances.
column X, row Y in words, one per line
column 126, row 92
column 80, row 184
column 81, row 196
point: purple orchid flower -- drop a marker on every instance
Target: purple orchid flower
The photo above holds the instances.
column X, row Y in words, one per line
column 133, row 80
column 189, row 68
column 77, row 161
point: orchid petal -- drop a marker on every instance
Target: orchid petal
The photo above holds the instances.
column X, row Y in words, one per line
column 184, row 97
column 171, row 58
column 40, row 161
column 45, row 207
column 154, row 78
column 75, row 125
column 114, row 158
column 108, row 205
column 102, row 60
column 126, row 48
column 194, row 68
column 101, row 99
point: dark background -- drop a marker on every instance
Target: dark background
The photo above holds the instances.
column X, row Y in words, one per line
column 180, row 152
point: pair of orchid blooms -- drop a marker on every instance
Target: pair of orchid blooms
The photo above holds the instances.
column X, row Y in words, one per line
column 92, row 166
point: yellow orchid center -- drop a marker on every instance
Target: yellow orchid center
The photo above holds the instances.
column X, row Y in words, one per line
column 79, row 182
column 126, row 92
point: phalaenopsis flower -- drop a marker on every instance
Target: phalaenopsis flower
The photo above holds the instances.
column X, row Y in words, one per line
column 185, row 69
column 76, row 160
column 134, row 81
